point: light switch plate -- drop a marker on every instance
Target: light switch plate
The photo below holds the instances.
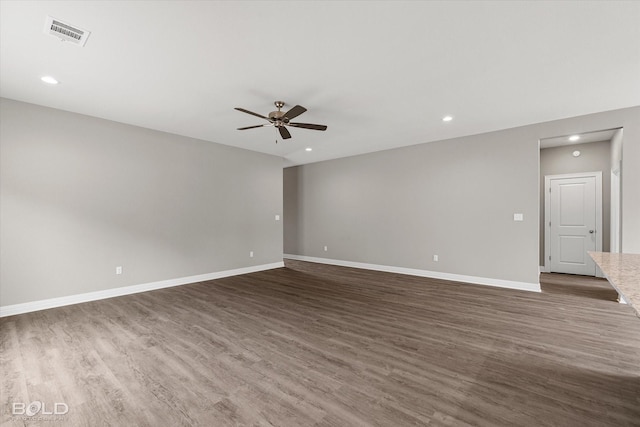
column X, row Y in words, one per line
column 518, row 217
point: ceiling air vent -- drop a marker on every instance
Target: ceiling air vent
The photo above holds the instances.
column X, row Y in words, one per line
column 65, row 32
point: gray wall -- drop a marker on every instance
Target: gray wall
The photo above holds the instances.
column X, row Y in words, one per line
column 290, row 208
column 595, row 156
column 455, row 198
column 616, row 150
column 616, row 187
column 81, row 195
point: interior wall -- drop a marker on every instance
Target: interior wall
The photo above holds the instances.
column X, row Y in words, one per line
column 616, row 150
column 82, row 195
column 594, row 156
column 616, row 167
column 455, row 198
column 290, row 208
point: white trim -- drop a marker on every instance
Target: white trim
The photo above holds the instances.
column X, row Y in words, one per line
column 521, row 286
column 547, row 213
column 10, row 310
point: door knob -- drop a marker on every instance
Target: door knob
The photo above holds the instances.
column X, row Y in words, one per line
column 591, row 231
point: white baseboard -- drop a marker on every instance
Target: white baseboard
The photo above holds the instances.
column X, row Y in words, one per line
column 10, row 310
column 521, row 286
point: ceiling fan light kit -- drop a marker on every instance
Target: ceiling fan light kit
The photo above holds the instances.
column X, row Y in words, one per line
column 281, row 119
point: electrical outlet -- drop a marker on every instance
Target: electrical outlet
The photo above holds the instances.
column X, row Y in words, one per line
column 250, row 254
column 326, row 249
column 435, row 258
column 119, row 270
column 277, row 217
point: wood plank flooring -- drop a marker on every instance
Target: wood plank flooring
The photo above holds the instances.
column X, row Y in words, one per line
column 317, row 345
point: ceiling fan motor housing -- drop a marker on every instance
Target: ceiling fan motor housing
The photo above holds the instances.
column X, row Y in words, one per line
column 276, row 115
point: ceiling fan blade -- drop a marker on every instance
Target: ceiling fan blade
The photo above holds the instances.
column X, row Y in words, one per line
column 284, row 133
column 308, row 126
column 257, row 126
column 252, row 113
column 295, row 112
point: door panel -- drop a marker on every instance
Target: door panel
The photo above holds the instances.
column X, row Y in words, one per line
column 572, row 207
column 572, row 249
column 573, row 225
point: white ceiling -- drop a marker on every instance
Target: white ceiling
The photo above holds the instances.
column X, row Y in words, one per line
column 584, row 138
column 380, row 74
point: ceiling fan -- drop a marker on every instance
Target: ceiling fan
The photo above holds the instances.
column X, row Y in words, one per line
column 280, row 119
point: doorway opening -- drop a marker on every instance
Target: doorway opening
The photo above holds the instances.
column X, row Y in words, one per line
column 584, row 212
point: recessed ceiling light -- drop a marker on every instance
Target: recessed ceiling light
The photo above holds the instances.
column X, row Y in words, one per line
column 308, row 149
column 447, row 118
column 574, row 138
column 50, row 80
column 576, row 153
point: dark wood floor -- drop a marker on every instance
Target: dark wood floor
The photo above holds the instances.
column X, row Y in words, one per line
column 315, row 345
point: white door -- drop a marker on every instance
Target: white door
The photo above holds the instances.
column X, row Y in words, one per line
column 574, row 216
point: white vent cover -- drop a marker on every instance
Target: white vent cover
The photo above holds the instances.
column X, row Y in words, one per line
column 65, row 32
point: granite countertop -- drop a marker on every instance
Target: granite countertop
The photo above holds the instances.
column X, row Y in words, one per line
column 623, row 272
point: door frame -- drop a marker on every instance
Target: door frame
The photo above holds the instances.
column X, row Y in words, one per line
column 547, row 213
